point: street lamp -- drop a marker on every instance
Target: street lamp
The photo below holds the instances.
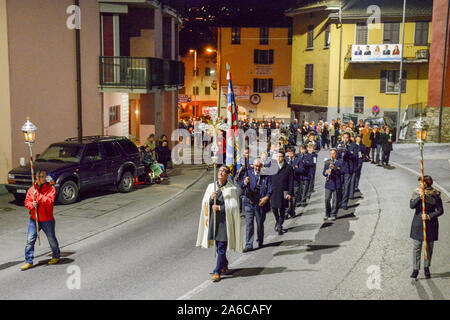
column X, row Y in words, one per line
column 195, row 79
column 29, row 133
column 421, row 132
column 219, row 71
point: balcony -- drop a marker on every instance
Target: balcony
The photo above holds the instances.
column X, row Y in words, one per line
column 139, row 75
column 411, row 54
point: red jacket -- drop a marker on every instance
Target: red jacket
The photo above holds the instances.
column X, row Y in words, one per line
column 45, row 198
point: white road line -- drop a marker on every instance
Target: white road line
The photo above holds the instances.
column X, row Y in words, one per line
column 418, row 174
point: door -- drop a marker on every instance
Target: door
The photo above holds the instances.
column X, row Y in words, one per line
column 92, row 171
column 113, row 160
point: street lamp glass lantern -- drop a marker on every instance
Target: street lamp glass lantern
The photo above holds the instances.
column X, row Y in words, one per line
column 29, row 132
column 421, row 130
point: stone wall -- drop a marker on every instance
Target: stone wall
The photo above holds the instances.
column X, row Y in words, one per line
column 432, row 119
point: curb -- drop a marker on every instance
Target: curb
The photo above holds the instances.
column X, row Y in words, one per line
column 441, row 188
column 112, row 226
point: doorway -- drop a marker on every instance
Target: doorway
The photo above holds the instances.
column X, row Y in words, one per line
column 135, row 120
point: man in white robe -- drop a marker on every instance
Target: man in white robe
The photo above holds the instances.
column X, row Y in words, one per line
column 220, row 221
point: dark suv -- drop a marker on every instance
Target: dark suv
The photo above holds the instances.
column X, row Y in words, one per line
column 74, row 166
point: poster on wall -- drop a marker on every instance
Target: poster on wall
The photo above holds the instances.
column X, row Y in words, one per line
column 281, row 92
column 241, row 92
column 263, row 70
column 376, row 52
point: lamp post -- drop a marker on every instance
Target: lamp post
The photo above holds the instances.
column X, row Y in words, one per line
column 29, row 133
column 194, row 51
column 219, row 88
column 421, row 131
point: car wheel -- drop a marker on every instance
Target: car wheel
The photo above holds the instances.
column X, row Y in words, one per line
column 126, row 182
column 20, row 199
column 68, row 193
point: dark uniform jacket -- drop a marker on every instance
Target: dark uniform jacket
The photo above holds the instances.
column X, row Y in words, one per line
column 433, row 207
column 307, row 161
column 375, row 138
column 361, row 151
column 297, row 167
column 250, row 191
column 282, row 181
column 385, row 144
column 333, row 181
column 221, row 221
column 349, row 154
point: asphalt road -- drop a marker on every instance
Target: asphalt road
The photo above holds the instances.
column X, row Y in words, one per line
column 154, row 256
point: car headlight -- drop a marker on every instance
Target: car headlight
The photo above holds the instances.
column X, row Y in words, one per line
column 11, row 176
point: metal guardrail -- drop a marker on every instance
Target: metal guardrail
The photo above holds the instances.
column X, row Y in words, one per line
column 140, row 73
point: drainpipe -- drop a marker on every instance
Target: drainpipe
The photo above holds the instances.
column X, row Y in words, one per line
column 78, row 62
column 443, row 75
column 401, row 74
column 340, row 62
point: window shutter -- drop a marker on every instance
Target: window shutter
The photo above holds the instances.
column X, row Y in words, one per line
column 383, row 81
column 256, row 56
column 255, row 85
column 311, row 76
column 404, row 75
column 270, row 85
column 270, row 56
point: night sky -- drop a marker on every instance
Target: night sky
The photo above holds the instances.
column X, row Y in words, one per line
column 201, row 16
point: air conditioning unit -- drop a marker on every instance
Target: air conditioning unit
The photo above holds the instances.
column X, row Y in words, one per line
column 422, row 54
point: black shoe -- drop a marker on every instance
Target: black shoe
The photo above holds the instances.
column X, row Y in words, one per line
column 414, row 274
column 247, row 250
column 260, row 245
column 333, row 218
column 280, row 232
column 427, row 273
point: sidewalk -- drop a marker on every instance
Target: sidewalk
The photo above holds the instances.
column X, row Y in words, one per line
column 96, row 212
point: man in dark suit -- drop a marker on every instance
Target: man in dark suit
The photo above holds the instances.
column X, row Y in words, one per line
column 242, row 173
column 361, row 152
column 312, row 148
column 257, row 189
column 294, row 161
column 306, row 162
column 348, row 152
column 358, row 51
column 282, row 191
column 333, row 185
column 386, row 52
column 367, row 52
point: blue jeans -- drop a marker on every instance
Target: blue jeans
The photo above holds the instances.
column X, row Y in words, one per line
column 49, row 228
column 222, row 261
column 379, row 153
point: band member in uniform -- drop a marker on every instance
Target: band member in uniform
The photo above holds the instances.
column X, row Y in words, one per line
column 313, row 153
column 307, row 162
column 333, row 185
column 220, row 221
column 257, row 189
column 294, row 161
column 282, row 191
column 347, row 151
column 433, row 209
column 361, row 153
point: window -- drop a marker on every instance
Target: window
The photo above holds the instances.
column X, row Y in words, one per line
column 309, row 76
column 93, row 152
column 110, row 149
column 262, row 85
column 264, row 35
column 358, row 104
column 362, row 33
column 290, row 36
column 421, row 34
column 327, row 37
column 114, row 114
column 195, row 91
column 263, row 56
column 310, row 44
column 207, row 72
column 236, row 35
column 391, row 32
column 207, row 91
column 128, row 146
column 389, row 81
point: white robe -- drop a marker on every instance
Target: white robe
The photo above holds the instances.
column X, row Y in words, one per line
column 233, row 219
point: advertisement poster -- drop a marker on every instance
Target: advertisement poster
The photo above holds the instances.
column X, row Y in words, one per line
column 241, row 92
column 376, row 52
column 281, row 92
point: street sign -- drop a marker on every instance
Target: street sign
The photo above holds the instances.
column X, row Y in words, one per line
column 376, row 109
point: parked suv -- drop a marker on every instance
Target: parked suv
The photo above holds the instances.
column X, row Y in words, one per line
column 75, row 166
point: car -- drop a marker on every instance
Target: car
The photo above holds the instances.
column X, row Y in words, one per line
column 382, row 121
column 75, row 166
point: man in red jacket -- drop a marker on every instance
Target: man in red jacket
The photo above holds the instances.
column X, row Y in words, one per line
column 42, row 196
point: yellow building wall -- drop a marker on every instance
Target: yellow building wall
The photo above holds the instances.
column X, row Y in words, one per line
column 319, row 56
column 240, row 57
column 363, row 79
column 5, row 99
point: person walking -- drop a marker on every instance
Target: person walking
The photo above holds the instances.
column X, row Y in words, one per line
column 375, row 142
column 293, row 160
column 332, row 133
column 220, row 221
column 257, row 189
column 361, row 153
column 386, row 145
column 282, row 191
column 348, row 152
column 41, row 196
column 366, row 141
column 333, row 185
column 433, row 210
column 306, row 162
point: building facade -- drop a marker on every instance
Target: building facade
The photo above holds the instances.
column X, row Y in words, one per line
column 346, row 60
column 260, row 64
column 199, row 94
column 38, row 59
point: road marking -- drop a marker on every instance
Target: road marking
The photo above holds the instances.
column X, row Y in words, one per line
column 418, row 174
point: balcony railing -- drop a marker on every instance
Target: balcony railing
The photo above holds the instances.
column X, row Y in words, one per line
column 411, row 53
column 140, row 73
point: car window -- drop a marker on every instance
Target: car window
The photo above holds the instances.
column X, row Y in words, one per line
column 128, row 146
column 61, row 153
column 92, row 150
column 110, row 149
